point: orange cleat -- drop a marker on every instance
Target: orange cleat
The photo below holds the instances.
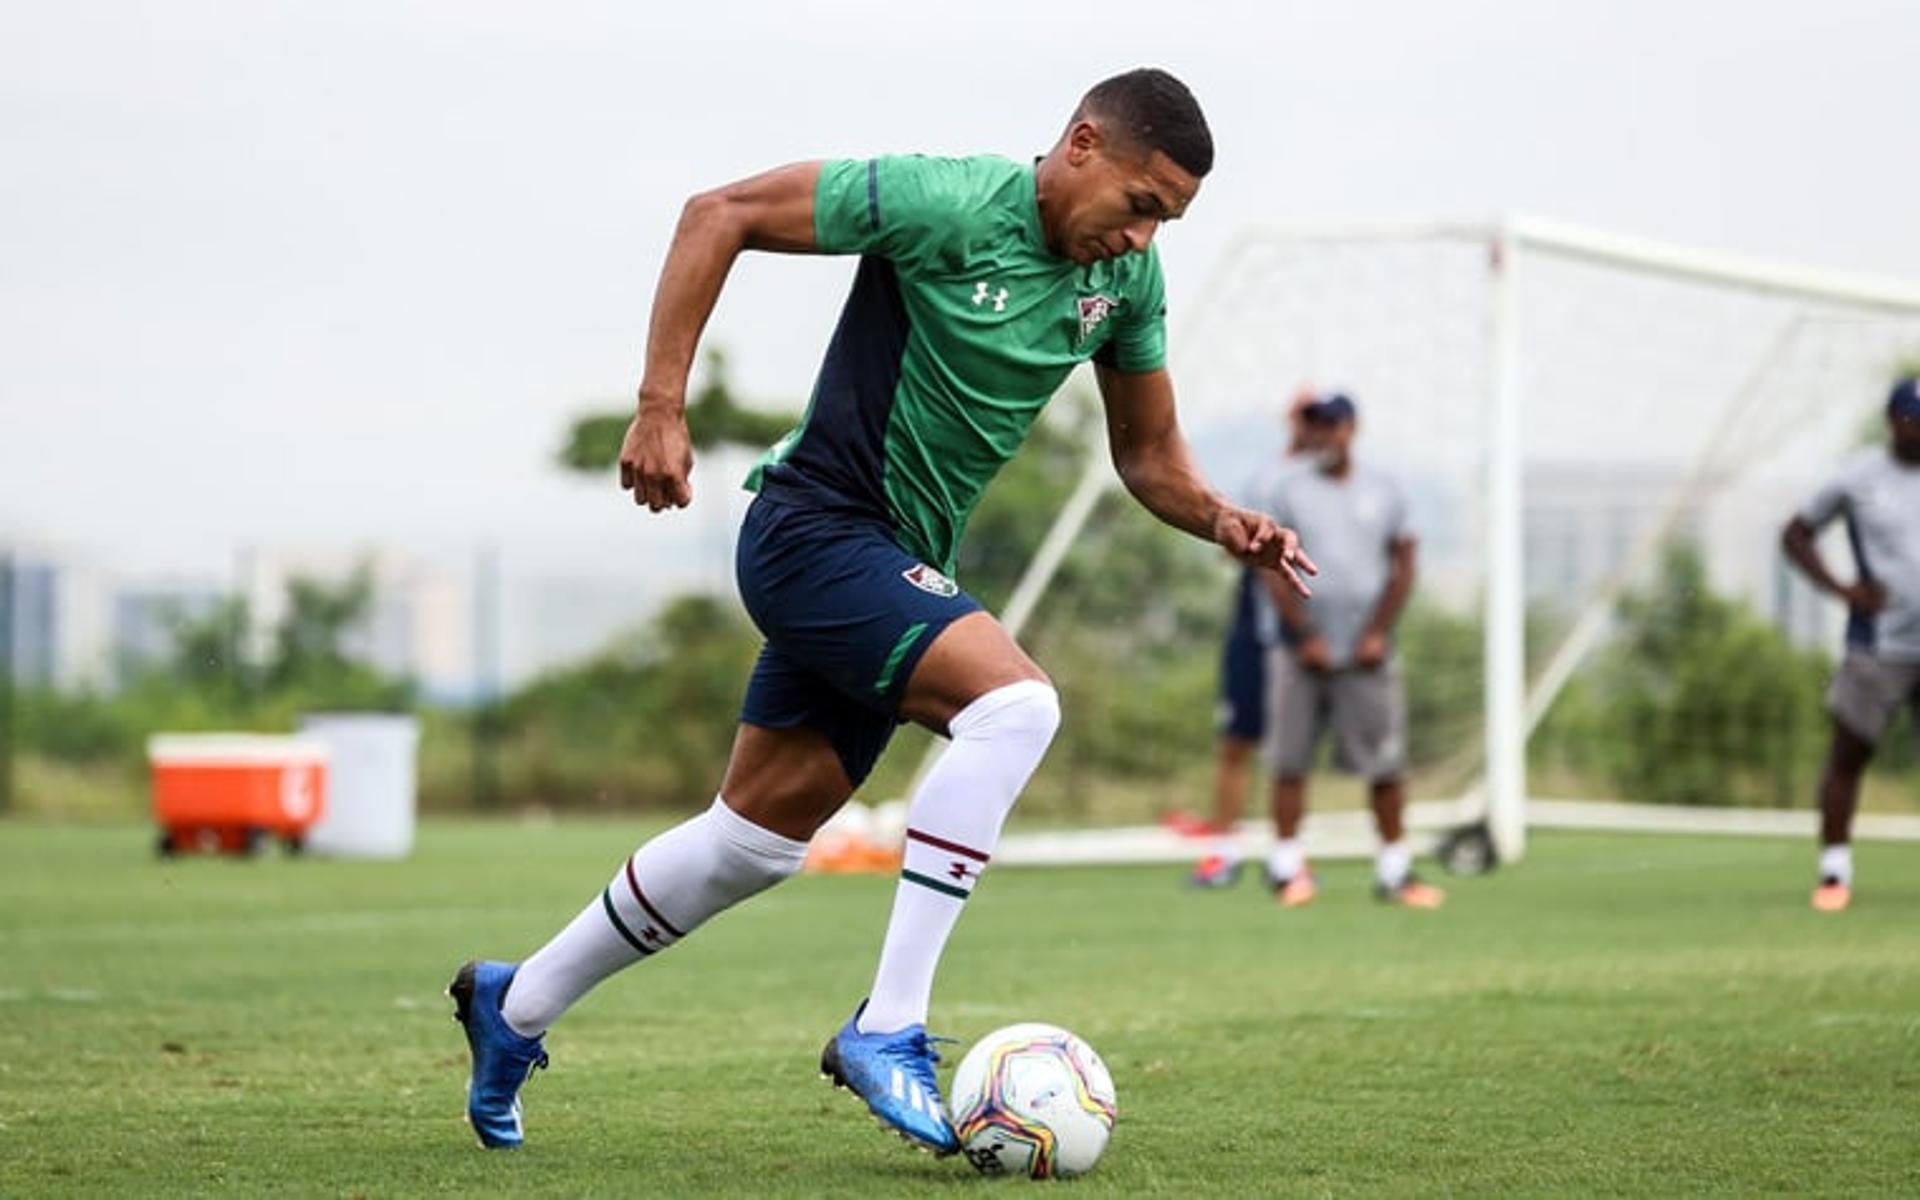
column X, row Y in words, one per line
column 1412, row 893
column 1298, row 891
column 1832, row 896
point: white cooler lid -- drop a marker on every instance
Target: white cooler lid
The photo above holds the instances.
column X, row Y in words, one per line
column 234, row 749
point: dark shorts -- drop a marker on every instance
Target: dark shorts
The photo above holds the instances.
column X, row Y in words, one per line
column 1243, row 689
column 847, row 614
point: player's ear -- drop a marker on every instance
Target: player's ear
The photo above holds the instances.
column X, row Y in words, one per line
column 1084, row 141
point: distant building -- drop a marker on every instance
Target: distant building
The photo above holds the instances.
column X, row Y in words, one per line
column 420, row 621
column 61, row 634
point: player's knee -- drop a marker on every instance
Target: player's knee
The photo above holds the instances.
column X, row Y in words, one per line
column 742, row 874
column 750, row 858
column 1038, row 709
column 1028, row 711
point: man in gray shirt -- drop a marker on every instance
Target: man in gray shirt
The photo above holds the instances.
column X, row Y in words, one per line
column 1878, row 492
column 1334, row 667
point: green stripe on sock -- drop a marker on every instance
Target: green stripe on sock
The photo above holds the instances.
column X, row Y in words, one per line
column 935, row 884
column 606, row 902
column 898, row 654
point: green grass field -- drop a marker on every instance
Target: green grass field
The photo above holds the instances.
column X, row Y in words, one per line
column 1622, row 1015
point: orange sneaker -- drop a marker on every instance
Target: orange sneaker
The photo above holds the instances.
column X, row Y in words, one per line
column 1298, row 891
column 1832, row 896
column 1412, row 893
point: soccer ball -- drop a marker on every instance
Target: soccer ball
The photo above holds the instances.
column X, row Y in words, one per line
column 1033, row 1100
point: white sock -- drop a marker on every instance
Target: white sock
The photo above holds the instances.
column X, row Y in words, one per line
column 1226, row 847
column 1288, row 859
column 1392, row 864
column 665, row 890
column 1836, row 862
column 953, row 825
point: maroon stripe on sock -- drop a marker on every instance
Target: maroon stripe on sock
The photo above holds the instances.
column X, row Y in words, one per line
column 633, row 885
column 949, row 847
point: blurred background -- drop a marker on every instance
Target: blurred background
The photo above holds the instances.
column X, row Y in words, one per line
column 320, row 323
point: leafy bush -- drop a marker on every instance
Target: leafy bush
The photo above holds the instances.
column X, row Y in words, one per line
column 1698, row 701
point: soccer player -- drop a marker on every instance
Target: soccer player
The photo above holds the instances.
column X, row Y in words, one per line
column 1335, row 668
column 1243, row 683
column 982, row 282
column 1878, row 491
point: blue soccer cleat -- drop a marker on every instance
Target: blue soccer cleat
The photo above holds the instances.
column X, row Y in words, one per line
column 893, row 1073
column 502, row 1059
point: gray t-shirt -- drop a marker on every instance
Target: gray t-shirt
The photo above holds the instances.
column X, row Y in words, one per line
column 1348, row 527
column 1880, row 497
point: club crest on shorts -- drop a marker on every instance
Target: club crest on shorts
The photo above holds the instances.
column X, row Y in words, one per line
column 1093, row 310
column 930, row 581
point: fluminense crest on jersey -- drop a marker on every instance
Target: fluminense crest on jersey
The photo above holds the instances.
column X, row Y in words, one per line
column 1093, row 310
column 929, row 580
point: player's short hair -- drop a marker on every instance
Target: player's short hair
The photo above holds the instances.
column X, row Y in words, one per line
column 1154, row 111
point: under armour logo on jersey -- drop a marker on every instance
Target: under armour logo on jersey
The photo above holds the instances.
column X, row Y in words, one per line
column 981, row 295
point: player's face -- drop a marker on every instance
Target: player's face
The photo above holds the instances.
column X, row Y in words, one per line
column 1116, row 199
column 1331, row 442
column 1906, row 438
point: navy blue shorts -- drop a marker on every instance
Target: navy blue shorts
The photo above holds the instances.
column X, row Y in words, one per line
column 1243, row 689
column 847, row 614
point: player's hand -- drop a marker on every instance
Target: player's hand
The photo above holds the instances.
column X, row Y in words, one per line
column 1371, row 650
column 1866, row 596
column 656, row 458
column 1315, row 655
column 1254, row 538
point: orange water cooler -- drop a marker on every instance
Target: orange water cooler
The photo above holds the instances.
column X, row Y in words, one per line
column 232, row 793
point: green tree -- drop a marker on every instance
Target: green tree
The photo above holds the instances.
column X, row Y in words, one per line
column 646, row 722
column 1698, row 701
column 205, row 650
column 715, row 417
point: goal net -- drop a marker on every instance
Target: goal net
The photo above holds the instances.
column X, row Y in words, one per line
column 1600, row 440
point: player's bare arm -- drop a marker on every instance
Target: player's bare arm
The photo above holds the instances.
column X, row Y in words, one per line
column 769, row 211
column 1371, row 650
column 1797, row 541
column 1156, row 464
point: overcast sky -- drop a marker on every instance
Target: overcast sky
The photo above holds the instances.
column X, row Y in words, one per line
column 335, row 273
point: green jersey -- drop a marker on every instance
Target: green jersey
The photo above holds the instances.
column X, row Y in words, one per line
column 960, row 327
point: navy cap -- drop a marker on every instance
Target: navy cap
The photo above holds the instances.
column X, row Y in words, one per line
column 1335, row 409
column 1904, row 400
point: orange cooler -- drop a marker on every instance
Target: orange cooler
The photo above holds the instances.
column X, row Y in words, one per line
column 231, row 792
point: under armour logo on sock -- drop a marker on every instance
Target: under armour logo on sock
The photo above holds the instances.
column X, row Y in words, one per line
column 960, row 870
